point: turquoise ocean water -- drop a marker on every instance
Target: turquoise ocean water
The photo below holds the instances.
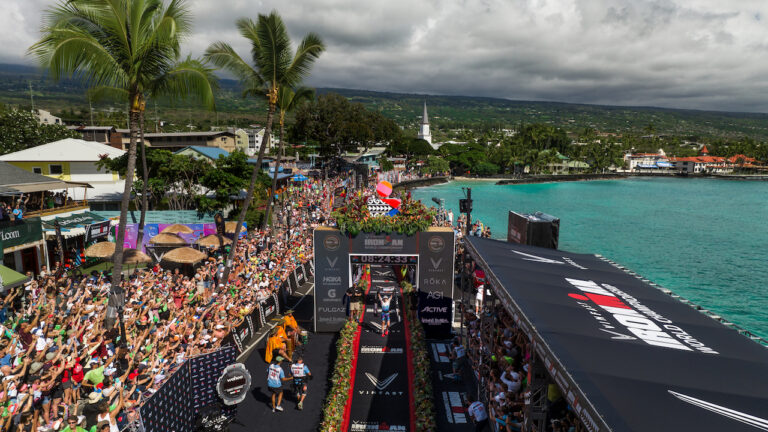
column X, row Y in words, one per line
column 705, row 239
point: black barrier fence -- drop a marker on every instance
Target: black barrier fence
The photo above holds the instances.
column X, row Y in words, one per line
column 191, row 388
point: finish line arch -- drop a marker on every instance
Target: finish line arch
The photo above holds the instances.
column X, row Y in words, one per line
column 435, row 252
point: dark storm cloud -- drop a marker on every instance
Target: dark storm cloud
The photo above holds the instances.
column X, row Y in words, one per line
column 705, row 54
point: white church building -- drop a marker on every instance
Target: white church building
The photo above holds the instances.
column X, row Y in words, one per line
column 424, row 129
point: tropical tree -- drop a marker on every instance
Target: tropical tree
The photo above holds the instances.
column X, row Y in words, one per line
column 274, row 65
column 125, row 46
column 288, row 100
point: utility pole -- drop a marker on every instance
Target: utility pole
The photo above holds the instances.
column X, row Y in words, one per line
column 31, row 96
column 90, row 105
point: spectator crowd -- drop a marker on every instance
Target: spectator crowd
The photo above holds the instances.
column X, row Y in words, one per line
column 61, row 369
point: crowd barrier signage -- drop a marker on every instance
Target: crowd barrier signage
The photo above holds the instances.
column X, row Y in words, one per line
column 234, row 383
column 175, row 406
column 435, row 284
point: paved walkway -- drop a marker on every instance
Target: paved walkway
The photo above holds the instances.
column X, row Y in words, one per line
column 255, row 413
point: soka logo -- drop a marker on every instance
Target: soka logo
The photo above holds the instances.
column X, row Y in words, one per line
column 331, row 242
column 436, row 244
column 642, row 326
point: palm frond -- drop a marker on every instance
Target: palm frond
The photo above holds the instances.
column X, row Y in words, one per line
column 224, row 56
column 307, row 52
column 190, row 78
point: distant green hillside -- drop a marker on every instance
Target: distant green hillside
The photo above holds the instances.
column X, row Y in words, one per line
column 446, row 112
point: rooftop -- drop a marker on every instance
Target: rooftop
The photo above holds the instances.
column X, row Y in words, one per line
column 66, row 150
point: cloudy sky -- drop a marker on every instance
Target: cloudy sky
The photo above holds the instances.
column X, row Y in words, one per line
column 700, row 54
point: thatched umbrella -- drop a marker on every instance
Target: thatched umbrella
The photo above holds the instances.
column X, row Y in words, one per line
column 212, row 241
column 229, row 227
column 185, row 255
column 178, row 229
column 100, row 250
column 133, row 256
column 167, row 239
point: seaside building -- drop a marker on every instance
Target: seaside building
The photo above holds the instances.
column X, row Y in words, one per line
column 647, row 161
column 424, row 129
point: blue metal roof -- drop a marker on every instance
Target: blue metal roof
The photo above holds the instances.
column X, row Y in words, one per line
column 209, row 152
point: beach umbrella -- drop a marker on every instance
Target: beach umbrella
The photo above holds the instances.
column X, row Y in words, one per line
column 178, row 229
column 229, row 227
column 100, row 250
column 299, row 177
column 185, row 255
column 133, row 256
column 167, row 239
column 213, row 240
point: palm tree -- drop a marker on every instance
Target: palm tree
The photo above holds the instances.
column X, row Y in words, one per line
column 274, row 65
column 123, row 47
column 288, row 100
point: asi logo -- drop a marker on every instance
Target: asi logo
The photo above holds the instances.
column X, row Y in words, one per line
column 436, row 244
column 332, row 242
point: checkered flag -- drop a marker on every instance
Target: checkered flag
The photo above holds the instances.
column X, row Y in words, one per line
column 377, row 207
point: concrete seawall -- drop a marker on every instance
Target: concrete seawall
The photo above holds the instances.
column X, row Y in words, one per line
column 411, row 184
column 561, row 178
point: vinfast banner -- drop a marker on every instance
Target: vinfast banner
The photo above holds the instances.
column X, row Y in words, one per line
column 626, row 355
column 331, row 278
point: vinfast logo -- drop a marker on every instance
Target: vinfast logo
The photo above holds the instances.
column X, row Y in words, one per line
column 436, row 263
column 745, row 418
column 332, row 262
column 383, row 384
column 536, row 258
column 648, row 327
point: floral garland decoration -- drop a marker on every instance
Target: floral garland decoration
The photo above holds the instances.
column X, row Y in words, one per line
column 422, row 386
column 336, row 401
column 412, row 217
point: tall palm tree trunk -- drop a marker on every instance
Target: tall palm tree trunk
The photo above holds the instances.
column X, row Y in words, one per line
column 116, row 294
column 145, row 180
column 274, row 176
column 251, row 188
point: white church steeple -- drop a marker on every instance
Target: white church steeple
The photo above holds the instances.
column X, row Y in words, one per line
column 424, row 130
